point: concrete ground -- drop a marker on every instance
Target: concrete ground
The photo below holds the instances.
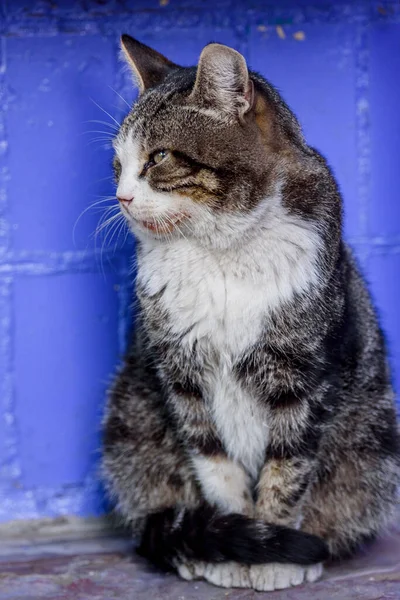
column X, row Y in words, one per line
column 107, row 568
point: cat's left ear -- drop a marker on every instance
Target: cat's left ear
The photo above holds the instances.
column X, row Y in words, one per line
column 149, row 67
column 223, row 81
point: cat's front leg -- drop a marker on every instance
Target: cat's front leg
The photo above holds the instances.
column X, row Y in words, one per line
column 224, row 483
column 281, row 492
column 282, row 489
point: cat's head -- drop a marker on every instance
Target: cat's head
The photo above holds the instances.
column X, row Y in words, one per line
column 200, row 153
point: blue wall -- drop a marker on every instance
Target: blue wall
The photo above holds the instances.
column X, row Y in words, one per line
column 64, row 301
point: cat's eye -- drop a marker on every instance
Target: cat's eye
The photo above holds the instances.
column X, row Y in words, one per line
column 157, row 157
column 154, row 159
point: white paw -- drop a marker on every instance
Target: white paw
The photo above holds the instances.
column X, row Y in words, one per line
column 191, row 570
column 314, row 573
column 228, row 575
column 275, row 576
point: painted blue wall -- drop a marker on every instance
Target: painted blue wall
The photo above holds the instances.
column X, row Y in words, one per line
column 64, row 299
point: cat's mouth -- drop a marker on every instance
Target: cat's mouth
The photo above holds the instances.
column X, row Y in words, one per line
column 161, row 225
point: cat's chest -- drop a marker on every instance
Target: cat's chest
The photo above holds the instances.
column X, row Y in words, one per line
column 217, row 312
column 205, row 302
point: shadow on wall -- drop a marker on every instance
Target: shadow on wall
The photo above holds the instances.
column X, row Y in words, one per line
column 65, row 298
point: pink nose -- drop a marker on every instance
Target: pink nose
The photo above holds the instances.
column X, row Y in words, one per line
column 125, row 201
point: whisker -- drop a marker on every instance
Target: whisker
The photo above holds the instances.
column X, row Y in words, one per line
column 108, row 210
column 165, row 226
column 104, row 178
column 106, row 113
column 177, row 226
column 103, row 222
column 111, row 232
column 167, row 220
column 123, row 99
column 103, row 225
column 126, row 234
column 111, row 221
column 104, row 198
column 180, row 231
column 103, row 123
column 107, row 142
column 109, row 134
column 120, row 230
column 116, row 226
column 91, row 206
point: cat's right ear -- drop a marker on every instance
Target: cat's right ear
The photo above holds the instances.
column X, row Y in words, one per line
column 149, row 67
column 223, row 81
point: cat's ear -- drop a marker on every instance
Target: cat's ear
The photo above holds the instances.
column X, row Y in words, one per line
column 149, row 66
column 223, row 81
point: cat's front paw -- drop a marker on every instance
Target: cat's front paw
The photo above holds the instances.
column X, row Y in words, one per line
column 275, row 576
column 264, row 578
column 191, row 570
column 227, row 574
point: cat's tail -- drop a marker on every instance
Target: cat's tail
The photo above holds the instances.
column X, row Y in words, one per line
column 175, row 536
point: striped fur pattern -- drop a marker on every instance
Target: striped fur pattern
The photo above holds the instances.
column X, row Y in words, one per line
column 256, row 389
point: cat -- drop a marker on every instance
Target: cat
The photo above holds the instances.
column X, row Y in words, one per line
column 250, row 433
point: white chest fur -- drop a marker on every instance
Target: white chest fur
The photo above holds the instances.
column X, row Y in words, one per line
column 223, row 301
column 213, row 300
column 240, row 420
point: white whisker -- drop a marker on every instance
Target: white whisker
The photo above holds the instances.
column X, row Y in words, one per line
column 105, row 224
column 92, row 206
column 109, row 134
column 107, row 142
column 106, row 113
column 103, row 123
column 123, row 99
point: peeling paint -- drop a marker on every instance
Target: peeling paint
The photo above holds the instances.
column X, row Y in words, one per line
column 281, row 32
column 300, row 36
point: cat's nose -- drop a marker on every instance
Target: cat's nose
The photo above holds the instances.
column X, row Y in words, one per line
column 124, row 200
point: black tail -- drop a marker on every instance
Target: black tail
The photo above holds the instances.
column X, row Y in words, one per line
column 205, row 535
